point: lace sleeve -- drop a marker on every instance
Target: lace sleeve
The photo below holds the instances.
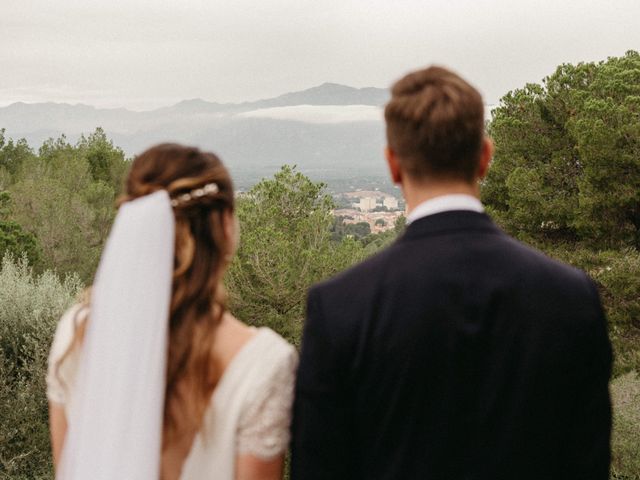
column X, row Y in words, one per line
column 263, row 429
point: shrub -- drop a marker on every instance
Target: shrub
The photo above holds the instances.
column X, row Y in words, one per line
column 30, row 306
column 617, row 274
column 625, row 392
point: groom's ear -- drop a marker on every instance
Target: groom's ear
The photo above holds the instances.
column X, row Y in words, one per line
column 394, row 165
column 486, row 154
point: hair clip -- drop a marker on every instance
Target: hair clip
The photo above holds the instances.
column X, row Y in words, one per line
column 208, row 189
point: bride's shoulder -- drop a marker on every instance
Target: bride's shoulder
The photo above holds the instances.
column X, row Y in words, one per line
column 266, row 348
column 277, row 343
column 276, row 358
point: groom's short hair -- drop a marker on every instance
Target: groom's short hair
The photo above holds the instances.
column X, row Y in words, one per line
column 435, row 124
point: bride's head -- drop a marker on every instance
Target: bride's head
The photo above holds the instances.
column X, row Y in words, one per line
column 203, row 202
column 206, row 234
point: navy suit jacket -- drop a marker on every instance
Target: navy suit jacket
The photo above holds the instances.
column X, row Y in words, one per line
column 456, row 353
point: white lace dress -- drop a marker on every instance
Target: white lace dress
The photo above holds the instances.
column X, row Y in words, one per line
column 250, row 409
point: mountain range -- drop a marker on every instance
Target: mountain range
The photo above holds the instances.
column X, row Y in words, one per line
column 330, row 131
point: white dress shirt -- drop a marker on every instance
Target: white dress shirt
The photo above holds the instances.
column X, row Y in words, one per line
column 445, row 203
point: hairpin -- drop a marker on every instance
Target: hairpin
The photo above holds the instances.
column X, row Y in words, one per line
column 208, row 189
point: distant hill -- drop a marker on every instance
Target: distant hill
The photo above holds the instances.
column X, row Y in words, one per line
column 246, row 135
column 327, row 94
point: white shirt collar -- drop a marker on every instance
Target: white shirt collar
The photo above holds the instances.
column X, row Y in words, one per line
column 445, row 203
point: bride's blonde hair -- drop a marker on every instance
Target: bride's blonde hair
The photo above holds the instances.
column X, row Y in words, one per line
column 202, row 251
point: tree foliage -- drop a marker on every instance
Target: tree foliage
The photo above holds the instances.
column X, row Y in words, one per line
column 567, row 162
column 63, row 200
column 13, row 239
column 286, row 246
column 341, row 229
column 12, row 156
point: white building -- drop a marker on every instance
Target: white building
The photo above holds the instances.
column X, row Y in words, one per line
column 366, row 204
column 390, row 202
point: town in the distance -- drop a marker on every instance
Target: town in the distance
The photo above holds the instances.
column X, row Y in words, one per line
column 379, row 209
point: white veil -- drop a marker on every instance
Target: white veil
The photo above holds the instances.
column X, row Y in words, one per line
column 115, row 424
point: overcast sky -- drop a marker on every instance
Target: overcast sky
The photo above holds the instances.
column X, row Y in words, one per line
column 142, row 54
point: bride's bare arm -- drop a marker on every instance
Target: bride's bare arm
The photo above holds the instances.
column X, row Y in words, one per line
column 58, row 428
column 250, row 467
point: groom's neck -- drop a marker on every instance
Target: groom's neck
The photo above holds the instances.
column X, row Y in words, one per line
column 417, row 192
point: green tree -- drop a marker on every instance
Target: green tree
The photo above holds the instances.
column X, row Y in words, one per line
column 567, row 164
column 341, row 229
column 61, row 220
column 286, row 246
column 13, row 239
column 607, row 133
column 107, row 163
column 65, row 197
column 12, row 156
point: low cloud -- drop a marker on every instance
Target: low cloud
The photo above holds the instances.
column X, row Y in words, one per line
column 319, row 113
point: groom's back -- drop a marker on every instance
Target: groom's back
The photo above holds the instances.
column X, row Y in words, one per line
column 469, row 363
column 462, row 354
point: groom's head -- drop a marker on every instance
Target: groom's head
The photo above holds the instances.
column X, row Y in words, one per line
column 435, row 128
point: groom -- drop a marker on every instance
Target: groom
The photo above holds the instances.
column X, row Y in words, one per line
column 457, row 353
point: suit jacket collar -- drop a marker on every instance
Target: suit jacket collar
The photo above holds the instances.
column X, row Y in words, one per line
column 450, row 221
column 445, row 203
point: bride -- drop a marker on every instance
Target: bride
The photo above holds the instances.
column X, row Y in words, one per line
column 153, row 377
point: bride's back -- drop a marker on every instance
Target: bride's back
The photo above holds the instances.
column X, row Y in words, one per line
column 205, row 343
